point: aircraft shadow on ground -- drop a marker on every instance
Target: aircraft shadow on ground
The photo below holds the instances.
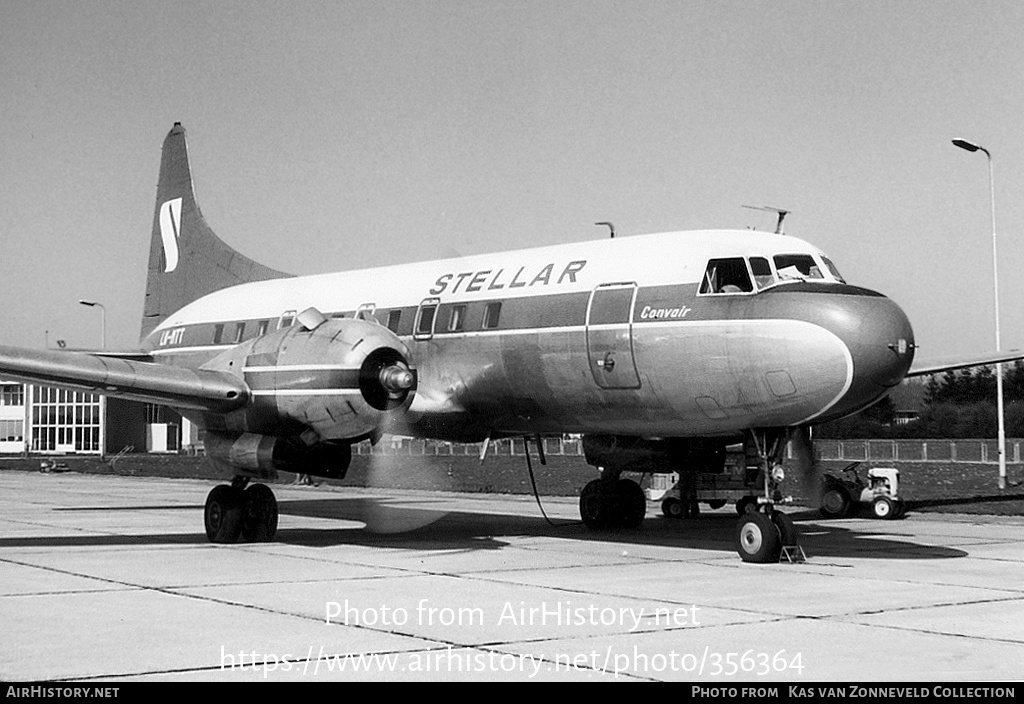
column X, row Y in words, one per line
column 469, row 530
column 425, row 525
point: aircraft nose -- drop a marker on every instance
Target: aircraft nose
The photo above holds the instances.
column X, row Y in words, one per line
column 880, row 339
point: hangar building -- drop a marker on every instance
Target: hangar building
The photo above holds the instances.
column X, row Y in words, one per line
column 37, row 419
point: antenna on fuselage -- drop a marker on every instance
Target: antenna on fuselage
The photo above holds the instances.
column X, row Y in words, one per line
column 610, row 226
column 778, row 211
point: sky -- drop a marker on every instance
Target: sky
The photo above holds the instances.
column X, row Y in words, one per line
column 327, row 136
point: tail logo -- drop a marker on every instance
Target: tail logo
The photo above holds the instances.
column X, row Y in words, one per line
column 170, row 230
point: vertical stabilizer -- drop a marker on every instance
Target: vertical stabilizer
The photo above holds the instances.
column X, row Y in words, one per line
column 186, row 259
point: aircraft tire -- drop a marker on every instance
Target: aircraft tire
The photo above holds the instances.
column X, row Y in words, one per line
column 631, row 503
column 789, row 535
column 757, row 538
column 259, row 514
column 595, row 508
column 672, row 508
column 835, row 503
column 223, row 514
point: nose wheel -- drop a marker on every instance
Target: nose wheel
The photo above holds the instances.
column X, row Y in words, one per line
column 762, row 532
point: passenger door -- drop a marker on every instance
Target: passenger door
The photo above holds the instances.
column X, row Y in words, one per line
column 610, row 336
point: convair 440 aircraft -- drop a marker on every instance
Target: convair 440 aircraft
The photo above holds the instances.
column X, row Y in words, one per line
column 659, row 349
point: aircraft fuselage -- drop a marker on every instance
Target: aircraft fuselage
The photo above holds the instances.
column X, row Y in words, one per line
column 632, row 336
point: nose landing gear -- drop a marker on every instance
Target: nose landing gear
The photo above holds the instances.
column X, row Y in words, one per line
column 763, row 533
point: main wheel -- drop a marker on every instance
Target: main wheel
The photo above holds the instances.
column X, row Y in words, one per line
column 672, row 507
column 259, row 514
column 595, row 509
column 631, row 504
column 757, row 539
column 789, row 536
column 883, row 507
column 223, row 514
column 835, row 503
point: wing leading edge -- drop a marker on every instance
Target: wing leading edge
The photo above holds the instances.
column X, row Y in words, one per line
column 945, row 364
column 195, row 389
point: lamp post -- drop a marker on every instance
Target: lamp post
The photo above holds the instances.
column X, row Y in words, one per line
column 103, row 321
column 971, row 147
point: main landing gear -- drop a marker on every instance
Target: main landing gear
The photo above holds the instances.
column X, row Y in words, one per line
column 762, row 532
column 612, row 502
column 235, row 512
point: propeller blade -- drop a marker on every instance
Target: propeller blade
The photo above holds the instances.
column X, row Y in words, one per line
column 391, row 471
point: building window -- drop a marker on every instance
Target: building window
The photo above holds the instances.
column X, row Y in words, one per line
column 218, row 333
column 261, row 329
column 65, row 421
column 12, row 430
column 239, row 332
column 12, row 395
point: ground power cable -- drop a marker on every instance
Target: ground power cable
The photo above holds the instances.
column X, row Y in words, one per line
column 533, row 482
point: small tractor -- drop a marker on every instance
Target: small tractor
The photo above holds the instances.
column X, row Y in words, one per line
column 842, row 493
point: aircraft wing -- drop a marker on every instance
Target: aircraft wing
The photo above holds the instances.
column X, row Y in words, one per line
column 924, row 367
column 195, row 389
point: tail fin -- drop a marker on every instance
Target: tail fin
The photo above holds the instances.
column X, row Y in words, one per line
column 186, row 259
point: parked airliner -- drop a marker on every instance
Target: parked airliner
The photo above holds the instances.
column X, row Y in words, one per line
column 658, row 349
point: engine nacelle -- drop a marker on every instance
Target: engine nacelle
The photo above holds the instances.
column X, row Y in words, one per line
column 325, row 380
column 619, row 452
column 262, row 456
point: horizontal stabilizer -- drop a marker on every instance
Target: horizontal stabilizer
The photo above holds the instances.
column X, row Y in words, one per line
column 922, row 367
column 195, row 389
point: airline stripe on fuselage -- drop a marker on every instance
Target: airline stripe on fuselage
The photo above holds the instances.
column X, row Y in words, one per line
column 653, row 305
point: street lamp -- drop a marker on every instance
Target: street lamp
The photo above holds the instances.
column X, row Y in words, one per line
column 103, row 321
column 971, row 147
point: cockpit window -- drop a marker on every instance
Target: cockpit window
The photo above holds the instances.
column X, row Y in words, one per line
column 832, row 268
column 726, row 276
column 797, row 267
column 762, row 271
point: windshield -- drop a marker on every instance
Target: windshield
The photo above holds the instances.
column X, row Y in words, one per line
column 797, row 267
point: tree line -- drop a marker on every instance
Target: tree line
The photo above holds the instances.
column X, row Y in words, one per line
column 956, row 404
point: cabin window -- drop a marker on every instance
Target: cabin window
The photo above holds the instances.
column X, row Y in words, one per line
column 798, row 267
column 492, row 315
column 394, row 319
column 239, row 332
column 261, row 329
column 762, row 271
column 726, row 276
column 424, row 327
column 457, row 319
column 218, row 333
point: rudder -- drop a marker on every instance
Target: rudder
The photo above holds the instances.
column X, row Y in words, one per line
column 186, row 259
